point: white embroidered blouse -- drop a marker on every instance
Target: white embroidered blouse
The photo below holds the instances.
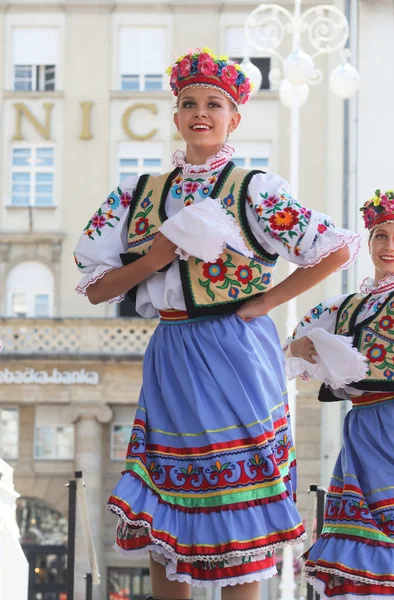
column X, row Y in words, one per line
column 280, row 224
column 324, row 315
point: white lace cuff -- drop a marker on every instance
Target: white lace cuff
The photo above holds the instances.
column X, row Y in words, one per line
column 338, row 362
column 90, row 278
column 333, row 239
column 204, row 230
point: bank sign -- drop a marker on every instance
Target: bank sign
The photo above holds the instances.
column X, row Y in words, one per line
column 56, row 377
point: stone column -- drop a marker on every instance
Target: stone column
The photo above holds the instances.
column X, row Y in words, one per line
column 88, row 421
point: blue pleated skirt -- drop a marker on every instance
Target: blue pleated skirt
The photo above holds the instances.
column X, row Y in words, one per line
column 354, row 556
column 210, row 476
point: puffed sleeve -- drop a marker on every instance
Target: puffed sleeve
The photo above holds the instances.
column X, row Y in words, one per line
column 105, row 237
column 337, row 362
column 322, row 315
column 285, row 227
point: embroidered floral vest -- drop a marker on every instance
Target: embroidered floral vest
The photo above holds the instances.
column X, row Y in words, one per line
column 208, row 288
column 373, row 337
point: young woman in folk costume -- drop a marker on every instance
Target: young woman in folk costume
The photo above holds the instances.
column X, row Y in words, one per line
column 209, row 483
column 354, row 556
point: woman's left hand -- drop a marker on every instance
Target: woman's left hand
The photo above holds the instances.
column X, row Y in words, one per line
column 256, row 307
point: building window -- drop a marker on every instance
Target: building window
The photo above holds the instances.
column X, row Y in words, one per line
column 137, row 158
column 30, row 291
column 237, row 46
column 120, row 437
column 34, row 78
column 54, row 442
column 142, row 58
column 54, row 436
column 252, row 155
column 9, row 432
column 251, row 162
column 34, row 57
column 128, row 583
column 32, row 176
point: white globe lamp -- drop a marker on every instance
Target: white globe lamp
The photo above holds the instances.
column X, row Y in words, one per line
column 293, row 95
column 345, row 80
column 298, row 67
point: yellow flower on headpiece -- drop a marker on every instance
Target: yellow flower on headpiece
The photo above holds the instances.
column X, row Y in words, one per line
column 376, row 200
column 224, row 57
column 207, row 50
column 169, row 70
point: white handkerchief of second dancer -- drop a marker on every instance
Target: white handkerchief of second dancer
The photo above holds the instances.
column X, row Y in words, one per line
column 338, row 363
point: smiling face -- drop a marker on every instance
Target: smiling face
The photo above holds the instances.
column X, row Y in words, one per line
column 205, row 116
column 381, row 248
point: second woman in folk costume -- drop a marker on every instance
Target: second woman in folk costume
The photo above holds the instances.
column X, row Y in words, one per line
column 354, row 556
column 209, row 482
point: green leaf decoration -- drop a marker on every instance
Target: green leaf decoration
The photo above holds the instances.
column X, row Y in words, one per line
column 99, row 212
column 228, row 262
column 109, row 224
column 255, row 265
column 140, row 215
column 232, row 188
column 204, row 283
column 98, row 231
column 148, row 210
column 119, row 191
column 234, row 282
column 248, row 289
column 256, row 281
column 225, row 285
column 198, row 260
column 210, row 293
column 260, row 287
column 150, row 194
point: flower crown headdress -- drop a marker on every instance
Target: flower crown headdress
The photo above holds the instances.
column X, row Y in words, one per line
column 379, row 209
column 202, row 68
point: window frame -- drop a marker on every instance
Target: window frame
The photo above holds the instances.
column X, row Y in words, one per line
column 130, row 151
column 17, row 409
column 53, row 456
column 33, row 172
column 35, row 21
column 112, row 440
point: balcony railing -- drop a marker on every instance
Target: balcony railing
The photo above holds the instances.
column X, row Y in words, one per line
column 76, row 337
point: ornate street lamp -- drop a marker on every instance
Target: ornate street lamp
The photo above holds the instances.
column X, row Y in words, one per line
column 325, row 29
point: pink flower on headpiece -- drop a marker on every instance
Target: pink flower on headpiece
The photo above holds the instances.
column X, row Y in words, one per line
column 174, row 74
column 206, row 65
column 369, row 215
column 244, row 91
column 386, row 203
column 229, row 74
column 184, row 67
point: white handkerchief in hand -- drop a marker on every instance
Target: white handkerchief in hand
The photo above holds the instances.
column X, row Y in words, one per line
column 338, row 362
column 203, row 230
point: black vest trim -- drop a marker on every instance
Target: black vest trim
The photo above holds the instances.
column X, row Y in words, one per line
column 326, row 394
